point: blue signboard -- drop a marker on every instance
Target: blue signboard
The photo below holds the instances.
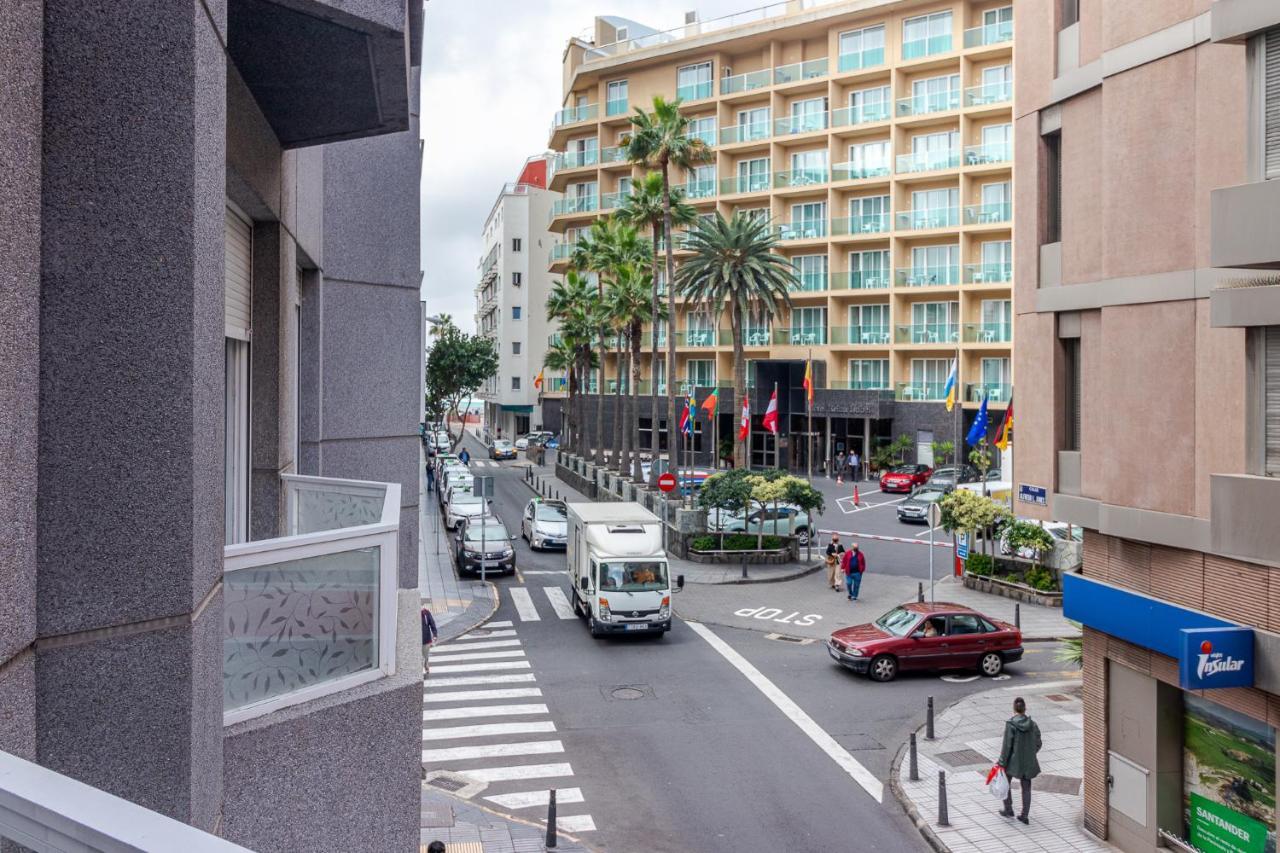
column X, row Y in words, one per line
column 1037, row 495
column 1216, row 657
column 962, row 547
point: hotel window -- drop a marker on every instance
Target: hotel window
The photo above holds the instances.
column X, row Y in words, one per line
column 615, row 102
column 869, row 324
column 515, row 312
column 931, row 265
column 809, row 326
column 995, row 380
column 753, row 175
column 810, row 218
column 868, row 374
column 862, row 48
column 516, row 279
column 934, row 208
column 693, row 81
column 869, row 104
column 808, row 167
column 753, row 124
column 929, row 377
column 515, row 347
column 704, row 129
column 869, row 160
column 997, row 321
column 926, row 35
column 994, row 17
column 624, row 186
column 869, row 269
column 808, row 114
column 934, row 322
column 1069, row 13
column 811, row 270
column 702, row 373
column 515, row 244
column 935, row 94
column 515, row 383
column 1073, row 401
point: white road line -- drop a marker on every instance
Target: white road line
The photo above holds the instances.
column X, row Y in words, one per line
column 559, row 603
column 480, row 667
column 524, row 604
column 465, row 680
column 937, row 531
column 476, row 644
column 544, row 571
column 466, row 655
column 576, row 823
column 487, row 729
column 529, row 799
column 501, row 623
column 483, row 635
column 880, row 538
column 795, row 713
column 469, row 711
column 481, row 695
column 520, row 771
column 493, row 750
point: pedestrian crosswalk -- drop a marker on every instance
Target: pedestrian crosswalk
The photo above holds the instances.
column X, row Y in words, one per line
column 525, row 601
column 484, row 725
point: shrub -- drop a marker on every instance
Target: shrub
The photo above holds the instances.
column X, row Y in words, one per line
column 980, row 565
column 734, row 542
column 1025, row 534
column 1040, row 578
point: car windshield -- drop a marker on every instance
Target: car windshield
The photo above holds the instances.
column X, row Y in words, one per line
column 502, row 443
column 904, row 469
column 633, row 577
column 898, row 621
column 491, row 532
column 546, row 512
column 466, row 499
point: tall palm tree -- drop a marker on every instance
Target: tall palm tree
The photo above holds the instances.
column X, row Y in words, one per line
column 660, row 140
column 646, row 207
column 561, row 358
column 734, row 263
column 571, row 302
column 630, row 303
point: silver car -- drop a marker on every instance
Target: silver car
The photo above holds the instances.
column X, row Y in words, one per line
column 545, row 524
column 915, row 509
column 464, row 505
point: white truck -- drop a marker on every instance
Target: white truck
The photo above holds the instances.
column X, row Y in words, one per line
column 618, row 569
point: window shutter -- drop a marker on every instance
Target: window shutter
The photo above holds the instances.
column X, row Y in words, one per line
column 1271, row 396
column 238, row 277
column 1271, row 97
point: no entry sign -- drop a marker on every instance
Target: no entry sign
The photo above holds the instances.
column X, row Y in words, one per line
column 667, row 482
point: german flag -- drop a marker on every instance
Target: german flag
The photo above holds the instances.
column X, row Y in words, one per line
column 1005, row 435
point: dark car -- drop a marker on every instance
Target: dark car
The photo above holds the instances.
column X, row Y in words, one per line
column 920, row 636
column 915, row 509
column 953, row 475
column 484, row 541
column 904, row 478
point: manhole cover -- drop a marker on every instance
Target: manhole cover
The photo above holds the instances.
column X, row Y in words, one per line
column 626, row 693
column 447, row 784
column 963, row 758
column 1057, row 697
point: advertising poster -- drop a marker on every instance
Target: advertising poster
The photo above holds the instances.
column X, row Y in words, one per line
column 1229, row 775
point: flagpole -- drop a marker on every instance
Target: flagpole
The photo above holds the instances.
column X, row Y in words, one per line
column 808, row 405
column 776, row 460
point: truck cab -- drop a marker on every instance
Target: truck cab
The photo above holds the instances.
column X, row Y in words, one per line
column 619, row 578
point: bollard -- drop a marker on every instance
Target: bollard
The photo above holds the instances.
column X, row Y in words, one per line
column 914, row 775
column 1017, row 616
column 551, row 820
column 744, row 569
column 928, row 721
column 920, row 592
column 942, row 799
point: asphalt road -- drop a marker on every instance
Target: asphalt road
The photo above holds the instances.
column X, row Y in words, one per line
column 674, row 747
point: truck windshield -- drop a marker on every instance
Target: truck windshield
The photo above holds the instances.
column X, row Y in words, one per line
column 633, row 577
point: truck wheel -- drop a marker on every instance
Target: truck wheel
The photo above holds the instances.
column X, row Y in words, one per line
column 591, row 626
column 577, row 606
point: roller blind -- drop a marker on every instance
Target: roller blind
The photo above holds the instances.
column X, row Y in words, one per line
column 237, row 284
column 1271, row 105
column 1271, row 408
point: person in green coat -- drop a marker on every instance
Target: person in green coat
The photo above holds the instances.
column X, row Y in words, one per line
column 1018, row 757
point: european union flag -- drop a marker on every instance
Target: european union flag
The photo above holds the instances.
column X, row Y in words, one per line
column 978, row 431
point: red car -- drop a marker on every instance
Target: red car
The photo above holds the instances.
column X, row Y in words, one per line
column 926, row 636
column 905, row 478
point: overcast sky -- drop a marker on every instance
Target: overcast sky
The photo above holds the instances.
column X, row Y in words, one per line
column 491, row 80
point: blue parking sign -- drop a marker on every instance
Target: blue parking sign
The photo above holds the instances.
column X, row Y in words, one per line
column 962, row 546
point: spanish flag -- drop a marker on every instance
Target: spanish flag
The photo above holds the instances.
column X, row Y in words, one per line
column 808, row 381
column 1005, row 435
column 537, row 381
column 949, row 390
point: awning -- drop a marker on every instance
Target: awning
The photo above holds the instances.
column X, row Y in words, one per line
column 519, row 410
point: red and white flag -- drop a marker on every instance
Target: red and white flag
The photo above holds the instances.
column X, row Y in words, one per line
column 745, row 427
column 771, row 413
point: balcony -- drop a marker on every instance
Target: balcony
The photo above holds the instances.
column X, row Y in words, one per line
column 806, row 229
column 744, row 133
column 989, row 34
column 574, row 159
column 800, row 336
column 988, row 333
column 867, row 223
column 751, row 337
column 554, row 339
column 745, row 82
column 860, row 335
column 914, row 392
column 708, row 137
column 807, row 123
column 878, row 280
column 555, row 385
column 696, row 338
column 745, row 184
column 856, row 61
column 616, row 107
column 988, row 214
column 809, row 282
column 613, row 154
column 561, row 252
column 996, row 392
column 700, row 189
column 989, row 93
column 612, row 201
column 800, row 71
column 919, row 48
column 929, row 217
column 800, row 178
column 860, row 385
column 312, row 612
column 928, row 161
column 582, row 204
column 858, row 171
column 922, row 105
column 988, row 273
column 927, row 276
column 927, row 333
column 695, row 91
column 851, row 116
column 574, row 115
column 988, row 154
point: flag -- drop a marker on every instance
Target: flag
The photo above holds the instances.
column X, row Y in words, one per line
column 537, row 381
column 808, row 381
column 771, row 413
column 1006, row 428
column 745, row 427
column 712, row 404
column 978, row 431
column 949, row 390
column 686, row 417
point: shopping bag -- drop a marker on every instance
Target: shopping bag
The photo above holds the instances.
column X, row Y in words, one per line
column 998, row 783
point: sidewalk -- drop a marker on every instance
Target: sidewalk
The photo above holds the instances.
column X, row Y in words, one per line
column 467, row 828
column 968, row 743
column 456, row 605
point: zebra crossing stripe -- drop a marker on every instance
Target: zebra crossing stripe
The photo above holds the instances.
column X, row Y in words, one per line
column 487, row 729
column 559, row 603
column 464, row 654
column 477, row 667
column 529, row 799
column 501, row 623
column 524, row 604
column 493, row 750
column 474, row 695
column 576, row 823
column 520, row 771
column 484, row 635
column 466, row 680
column 472, row 646
column 482, row 711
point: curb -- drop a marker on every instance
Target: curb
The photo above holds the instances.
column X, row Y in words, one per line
column 800, row 573
column 913, row 814
column 494, row 603
column 560, row 836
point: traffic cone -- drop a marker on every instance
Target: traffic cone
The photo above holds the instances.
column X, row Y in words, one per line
column 856, row 500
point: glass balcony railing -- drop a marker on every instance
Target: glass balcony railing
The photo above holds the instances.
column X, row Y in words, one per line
column 678, row 244
column 858, row 171
column 729, row 383
column 800, row 335
column 800, row 71
column 800, row 124
column 988, row 273
column 996, row 392
column 612, row 201
column 696, row 338
column 582, row 204
column 987, row 214
column 918, row 48
column 708, row 137
column 644, row 385
column 867, row 58
column 700, row 189
column 312, row 612
column 867, row 223
column 554, row 339
column 925, row 218
column 928, row 161
column 574, row 115
column 744, row 132
column 617, row 107
column 989, row 93
column 927, row 333
column 751, row 337
column 745, row 82
column 695, row 91
column 865, row 114
column 574, row 159
column 810, row 282
column 800, row 178
column 927, row 276
column 937, row 102
column 745, row 184
column 917, row 391
column 806, row 229
column 555, row 385
column 877, row 280
column 989, row 34
column 988, row 333
column 562, row 252
column 859, row 385
column 614, row 154
column 860, row 335
column 646, row 339
column 988, row 154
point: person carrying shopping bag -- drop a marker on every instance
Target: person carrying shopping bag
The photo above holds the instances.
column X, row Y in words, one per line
column 834, row 552
column 1018, row 757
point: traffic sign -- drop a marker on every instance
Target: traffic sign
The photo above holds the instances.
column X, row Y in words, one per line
column 667, row 482
column 962, row 547
column 483, row 487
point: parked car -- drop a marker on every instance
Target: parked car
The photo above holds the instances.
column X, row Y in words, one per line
column 1060, row 531
column 442, row 441
column 691, row 479
column 915, row 509
column 953, row 475
column 904, row 478
column 455, row 479
column 484, row 541
column 545, row 524
column 784, row 520
column 502, row 448
column 538, row 436
column 922, row 636
column 463, row 505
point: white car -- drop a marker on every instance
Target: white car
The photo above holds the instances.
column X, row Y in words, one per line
column 464, row 505
column 545, row 524
column 441, row 441
column 522, row 443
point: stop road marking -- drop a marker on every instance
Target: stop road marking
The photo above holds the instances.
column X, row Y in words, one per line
column 771, row 614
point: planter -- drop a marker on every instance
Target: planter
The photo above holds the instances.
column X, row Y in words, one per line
column 752, row 558
column 1012, row 589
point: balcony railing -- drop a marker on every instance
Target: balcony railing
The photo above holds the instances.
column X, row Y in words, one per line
column 700, row 189
column 574, row 159
column 989, row 34
column 927, row 276
column 860, row 335
column 988, row 273
column 927, row 333
column 562, row 252
column 745, row 184
column 744, row 132
column 985, row 155
column 858, row 171
column 313, row 611
column 800, row 71
column 917, row 391
column 617, row 107
column 997, row 392
column 555, row 385
column 988, row 93
column 860, row 280
column 800, row 335
column 708, row 137
column 574, row 115
column 806, row 229
column 751, row 337
column 987, row 214
column 806, row 123
column 867, row 58
column 696, row 338
column 613, row 154
column 612, row 201
column 988, row 333
column 929, row 161
column 810, row 282
column 859, row 385
column 554, row 339
column 800, row 178
column 745, row 82
column 849, row 116
column 867, row 223
column 695, row 91
column 926, row 47
column 937, row 102
column 583, row 204
column 929, row 217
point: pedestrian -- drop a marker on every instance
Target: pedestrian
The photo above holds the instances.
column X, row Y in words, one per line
column 431, row 478
column 855, row 563
column 429, row 635
column 435, row 847
column 465, row 457
column 855, row 465
column 834, row 552
column 1018, row 757
column 838, row 470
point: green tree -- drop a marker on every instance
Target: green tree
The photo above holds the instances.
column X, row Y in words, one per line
column 629, row 305
column 802, row 493
column 572, row 302
column 964, row 511
column 943, row 453
column 980, row 458
column 458, row 365
column 561, row 358
column 1031, row 536
column 766, row 490
column 734, row 264
column 729, row 492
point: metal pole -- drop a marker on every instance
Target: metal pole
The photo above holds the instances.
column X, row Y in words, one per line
column 551, row 819
column 483, row 526
column 914, row 774
column 808, row 405
column 928, row 720
column 942, row 799
column 931, row 599
column 744, row 568
column 920, row 592
column 1017, row 616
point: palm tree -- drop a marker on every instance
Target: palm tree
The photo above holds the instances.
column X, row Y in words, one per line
column 733, row 262
column 630, row 302
column 571, row 302
column 560, row 357
column 646, row 207
column 660, row 140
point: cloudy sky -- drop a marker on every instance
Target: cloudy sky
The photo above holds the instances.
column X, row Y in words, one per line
column 491, row 80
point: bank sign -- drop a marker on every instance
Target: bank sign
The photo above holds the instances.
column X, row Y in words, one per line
column 1217, row 829
column 1215, row 657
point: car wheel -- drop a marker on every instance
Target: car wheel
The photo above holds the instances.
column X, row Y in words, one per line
column 802, row 536
column 883, row 668
column 992, row 664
